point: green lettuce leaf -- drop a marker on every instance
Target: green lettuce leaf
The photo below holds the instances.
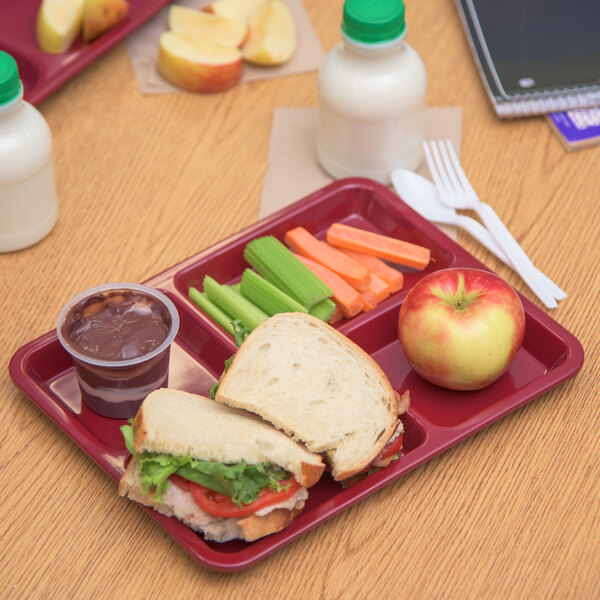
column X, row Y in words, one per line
column 241, row 482
column 240, row 333
column 127, row 431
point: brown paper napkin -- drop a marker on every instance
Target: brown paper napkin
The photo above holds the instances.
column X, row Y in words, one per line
column 293, row 171
column 142, row 46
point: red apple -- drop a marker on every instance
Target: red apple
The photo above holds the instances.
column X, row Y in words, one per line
column 460, row 328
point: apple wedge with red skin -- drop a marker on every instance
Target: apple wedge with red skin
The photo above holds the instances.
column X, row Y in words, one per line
column 461, row 328
column 101, row 15
column 198, row 65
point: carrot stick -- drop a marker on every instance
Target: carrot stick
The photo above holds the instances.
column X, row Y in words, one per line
column 369, row 300
column 377, row 292
column 388, row 248
column 378, row 287
column 393, row 277
column 337, row 315
column 345, row 296
column 303, row 242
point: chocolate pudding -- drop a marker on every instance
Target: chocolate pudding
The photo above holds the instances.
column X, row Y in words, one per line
column 119, row 339
column 118, row 325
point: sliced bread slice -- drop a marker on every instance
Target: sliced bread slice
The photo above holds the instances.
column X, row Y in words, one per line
column 318, row 386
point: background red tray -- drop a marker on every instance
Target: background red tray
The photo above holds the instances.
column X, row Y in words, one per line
column 43, row 73
column 437, row 418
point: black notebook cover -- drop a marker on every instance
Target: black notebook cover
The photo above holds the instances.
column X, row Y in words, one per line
column 536, row 56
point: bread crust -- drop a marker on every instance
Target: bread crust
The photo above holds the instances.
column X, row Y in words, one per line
column 256, row 527
column 310, row 474
column 341, row 475
column 252, row 527
column 140, row 431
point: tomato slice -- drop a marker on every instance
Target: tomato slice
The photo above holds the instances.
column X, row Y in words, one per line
column 387, row 454
column 219, row 505
column 180, row 482
column 392, row 448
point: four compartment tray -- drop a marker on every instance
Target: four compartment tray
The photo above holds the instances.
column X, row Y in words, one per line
column 43, row 73
column 437, row 418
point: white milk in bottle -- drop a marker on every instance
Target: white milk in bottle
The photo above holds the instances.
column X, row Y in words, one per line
column 28, row 202
column 372, row 89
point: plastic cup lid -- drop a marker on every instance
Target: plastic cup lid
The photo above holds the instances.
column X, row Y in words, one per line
column 373, row 21
column 10, row 82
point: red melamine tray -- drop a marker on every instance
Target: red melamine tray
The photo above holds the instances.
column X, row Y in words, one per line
column 437, row 418
column 43, row 73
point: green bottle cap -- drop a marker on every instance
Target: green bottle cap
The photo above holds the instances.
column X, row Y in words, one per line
column 10, row 82
column 373, row 21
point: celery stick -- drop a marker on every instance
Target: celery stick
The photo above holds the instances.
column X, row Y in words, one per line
column 267, row 296
column 276, row 263
column 234, row 304
column 323, row 310
column 211, row 309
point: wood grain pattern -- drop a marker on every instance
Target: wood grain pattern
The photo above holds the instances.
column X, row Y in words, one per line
column 146, row 181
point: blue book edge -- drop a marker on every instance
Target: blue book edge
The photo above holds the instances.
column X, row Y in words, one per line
column 577, row 128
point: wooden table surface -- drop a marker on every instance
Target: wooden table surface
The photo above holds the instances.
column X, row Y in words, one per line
column 146, row 181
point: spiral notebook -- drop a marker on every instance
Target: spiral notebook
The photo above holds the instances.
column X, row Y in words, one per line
column 535, row 56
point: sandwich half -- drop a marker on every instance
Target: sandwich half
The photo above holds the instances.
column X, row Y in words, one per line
column 223, row 472
column 320, row 388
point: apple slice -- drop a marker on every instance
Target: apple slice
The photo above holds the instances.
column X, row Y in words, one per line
column 100, row 15
column 236, row 10
column 272, row 39
column 200, row 24
column 58, row 24
column 198, row 65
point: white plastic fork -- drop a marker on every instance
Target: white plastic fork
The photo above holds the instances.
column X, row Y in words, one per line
column 423, row 197
column 455, row 190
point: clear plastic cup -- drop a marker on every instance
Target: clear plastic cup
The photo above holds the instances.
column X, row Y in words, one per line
column 119, row 336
